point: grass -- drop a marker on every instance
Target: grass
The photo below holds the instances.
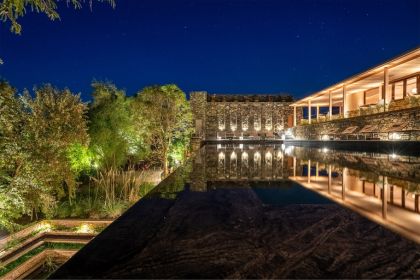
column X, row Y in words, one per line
column 49, row 245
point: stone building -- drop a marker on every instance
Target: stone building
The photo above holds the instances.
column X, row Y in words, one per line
column 218, row 116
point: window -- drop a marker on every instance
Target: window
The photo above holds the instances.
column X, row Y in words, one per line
column 399, row 90
column 412, row 86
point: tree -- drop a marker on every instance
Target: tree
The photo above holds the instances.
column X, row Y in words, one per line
column 169, row 121
column 11, row 10
column 115, row 136
column 35, row 136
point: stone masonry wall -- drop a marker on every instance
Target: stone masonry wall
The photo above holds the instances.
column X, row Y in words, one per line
column 383, row 122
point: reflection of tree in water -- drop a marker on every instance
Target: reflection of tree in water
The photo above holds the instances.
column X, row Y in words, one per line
column 173, row 184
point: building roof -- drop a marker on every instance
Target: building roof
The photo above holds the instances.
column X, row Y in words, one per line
column 398, row 67
column 249, row 98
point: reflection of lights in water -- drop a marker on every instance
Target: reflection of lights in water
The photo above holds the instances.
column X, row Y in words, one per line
column 325, row 150
column 244, row 158
column 289, row 150
column 221, row 156
column 268, row 158
column 257, row 159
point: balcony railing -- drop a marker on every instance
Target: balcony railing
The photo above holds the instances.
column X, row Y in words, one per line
column 394, row 105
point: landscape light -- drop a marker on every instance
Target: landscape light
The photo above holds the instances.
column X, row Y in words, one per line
column 85, row 228
column 43, row 227
column 325, row 150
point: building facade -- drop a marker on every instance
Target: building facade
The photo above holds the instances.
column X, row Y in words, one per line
column 218, row 116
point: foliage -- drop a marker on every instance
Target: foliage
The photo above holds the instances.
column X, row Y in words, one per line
column 115, row 135
column 12, row 10
column 81, row 159
column 35, row 133
column 32, row 253
column 110, row 194
column 169, row 121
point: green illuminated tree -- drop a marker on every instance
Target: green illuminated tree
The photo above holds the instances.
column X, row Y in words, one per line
column 35, row 136
column 115, row 136
column 169, row 122
column 12, row 10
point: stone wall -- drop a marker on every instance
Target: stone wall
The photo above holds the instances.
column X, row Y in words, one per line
column 406, row 121
column 241, row 116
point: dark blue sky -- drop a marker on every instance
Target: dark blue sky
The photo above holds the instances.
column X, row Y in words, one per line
column 218, row 46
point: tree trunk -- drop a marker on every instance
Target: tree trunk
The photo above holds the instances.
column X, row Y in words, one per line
column 165, row 164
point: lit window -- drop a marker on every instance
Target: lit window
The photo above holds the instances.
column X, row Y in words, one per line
column 398, row 91
column 412, row 86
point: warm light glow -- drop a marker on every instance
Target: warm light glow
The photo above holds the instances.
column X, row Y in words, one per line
column 219, row 146
column 325, row 150
column 414, row 91
column 268, row 158
column 233, row 156
column 289, row 150
column 325, row 137
column 241, row 146
column 395, row 136
column 268, row 124
column 85, row 228
column 43, row 227
column 394, row 156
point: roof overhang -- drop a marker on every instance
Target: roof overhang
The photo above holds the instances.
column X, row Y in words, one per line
column 398, row 67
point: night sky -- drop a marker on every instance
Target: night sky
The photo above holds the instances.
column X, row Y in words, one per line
column 219, row 46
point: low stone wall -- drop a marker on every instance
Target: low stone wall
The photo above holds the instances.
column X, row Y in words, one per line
column 383, row 121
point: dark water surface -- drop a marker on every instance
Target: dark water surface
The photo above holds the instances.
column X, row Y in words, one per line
column 267, row 211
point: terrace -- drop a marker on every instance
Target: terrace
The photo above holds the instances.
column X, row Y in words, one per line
column 391, row 86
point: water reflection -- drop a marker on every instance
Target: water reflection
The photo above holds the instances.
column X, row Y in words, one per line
column 383, row 188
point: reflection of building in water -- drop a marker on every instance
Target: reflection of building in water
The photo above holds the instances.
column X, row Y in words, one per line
column 241, row 116
column 240, row 163
column 383, row 188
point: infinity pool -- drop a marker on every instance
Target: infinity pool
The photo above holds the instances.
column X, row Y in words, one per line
column 267, row 211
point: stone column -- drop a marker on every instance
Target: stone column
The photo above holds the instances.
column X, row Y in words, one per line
column 343, row 186
column 330, row 106
column 344, row 101
column 385, row 90
column 309, row 111
column 317, row 113
column 384, row 196
column 309, row 171
column 329, row 178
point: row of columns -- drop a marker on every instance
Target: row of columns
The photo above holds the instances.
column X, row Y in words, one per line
column 384, row 188
column 384, row 90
